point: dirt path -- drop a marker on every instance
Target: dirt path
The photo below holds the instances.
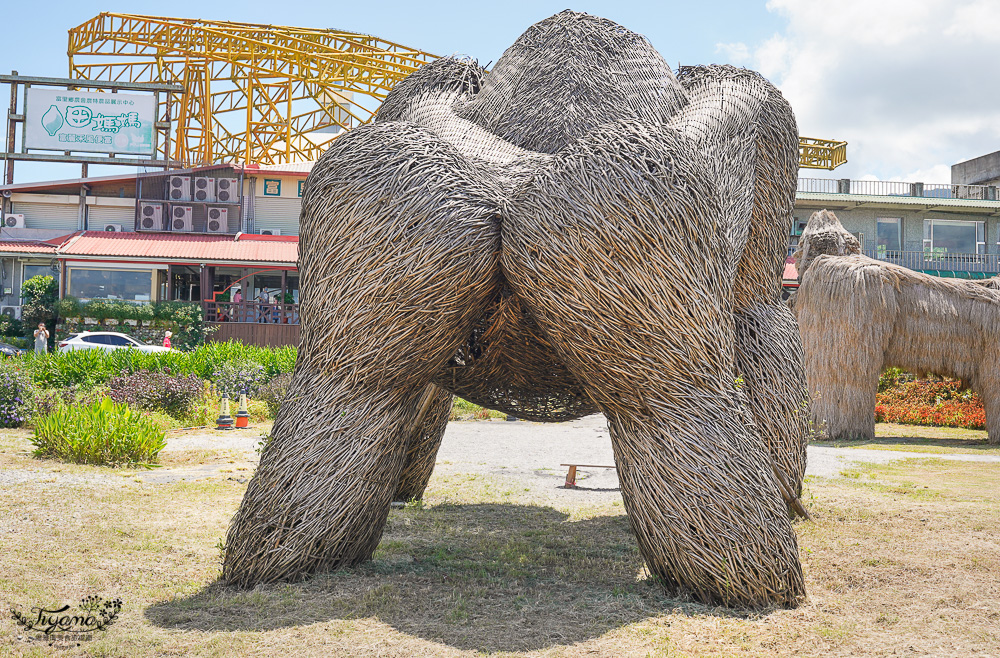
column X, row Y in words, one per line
column 517, row 454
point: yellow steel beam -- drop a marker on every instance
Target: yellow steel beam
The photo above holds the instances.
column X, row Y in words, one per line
column 821, row 153
column 281, row 78
column 262, row 93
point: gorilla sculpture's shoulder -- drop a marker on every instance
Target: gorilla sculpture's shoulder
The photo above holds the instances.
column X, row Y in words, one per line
column 569, row 74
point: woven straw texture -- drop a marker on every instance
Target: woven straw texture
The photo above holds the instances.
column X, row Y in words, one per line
column 859, row 316
column 578, row 230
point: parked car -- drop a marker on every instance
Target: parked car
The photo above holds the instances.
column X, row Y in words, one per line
column 8, row 351
column 106, row 340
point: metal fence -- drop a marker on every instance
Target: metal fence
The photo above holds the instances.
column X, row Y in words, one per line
column 897, row 188
column 926, row 261
column 252, row 312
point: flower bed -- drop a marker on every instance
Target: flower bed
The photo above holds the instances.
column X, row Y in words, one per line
column 940, row 404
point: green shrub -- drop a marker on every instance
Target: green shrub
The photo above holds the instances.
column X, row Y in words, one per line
column 15, row 395
column 891, row 377
column 46, row 400
column 101, row 433
column 99, row 309
column 89, row 368
column 235, row 377
column 465, row 410
column 10, row 327
column 39, row 295
column 259, row 411
column 274, row 392
column 69, row 307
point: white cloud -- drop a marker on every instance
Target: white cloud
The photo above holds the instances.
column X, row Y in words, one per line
column 907, row 84
column 733, row 53
column 935, row 174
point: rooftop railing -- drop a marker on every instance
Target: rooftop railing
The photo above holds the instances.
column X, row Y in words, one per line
column 261, row 313
column 939, row 260
column 897, row 188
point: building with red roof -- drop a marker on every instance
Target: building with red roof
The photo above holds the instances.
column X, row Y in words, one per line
column 225, row 236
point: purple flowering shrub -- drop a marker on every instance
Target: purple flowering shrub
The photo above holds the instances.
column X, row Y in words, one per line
column 15, row 396
column 240, row 376
column 274, row 392
column 46, row 400
column 157, row 391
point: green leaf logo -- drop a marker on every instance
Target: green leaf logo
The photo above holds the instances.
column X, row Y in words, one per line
column 52, row 120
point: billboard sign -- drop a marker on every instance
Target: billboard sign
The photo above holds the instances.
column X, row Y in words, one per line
column 60, row 120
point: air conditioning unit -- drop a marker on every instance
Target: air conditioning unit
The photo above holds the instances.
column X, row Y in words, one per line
column 227, row 190
column 11, row 311
column 204, row 190
column 113, row 228
column 13, row 221
column 181, row 219
column 271, row 231
column 150, row 216
column 218, row 220
column 179, row 188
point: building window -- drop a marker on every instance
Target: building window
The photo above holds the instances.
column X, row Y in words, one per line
column 31, row 271
column 89, row 283
column 889, row 236
column 954, row 236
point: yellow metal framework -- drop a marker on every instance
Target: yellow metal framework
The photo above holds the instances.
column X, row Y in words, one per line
column 821, row 153
column 265, row 94
column 261, row 94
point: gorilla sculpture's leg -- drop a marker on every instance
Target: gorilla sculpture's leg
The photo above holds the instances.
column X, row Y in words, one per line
column 394, row 274
column 620, row 282
column 423, row 442
column 769, row 358
column 751, row 142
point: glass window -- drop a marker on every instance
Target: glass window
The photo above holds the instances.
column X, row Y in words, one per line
column 96, row 340
column 31, row 271
column 118, row 340
column 954, row 236
column 86, row 283
column 889, row 238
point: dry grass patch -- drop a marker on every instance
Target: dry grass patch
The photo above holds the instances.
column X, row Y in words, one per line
column 902, row 559
column 918, row 438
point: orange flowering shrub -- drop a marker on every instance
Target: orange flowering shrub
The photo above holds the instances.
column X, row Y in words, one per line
column 940, row 404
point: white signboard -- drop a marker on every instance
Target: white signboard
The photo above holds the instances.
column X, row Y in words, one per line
column 60, row 120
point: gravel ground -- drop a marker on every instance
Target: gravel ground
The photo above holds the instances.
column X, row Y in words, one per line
column 516, row 454
column 530, row 453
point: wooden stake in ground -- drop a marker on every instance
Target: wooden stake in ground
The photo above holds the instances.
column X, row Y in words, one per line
column 578, row 230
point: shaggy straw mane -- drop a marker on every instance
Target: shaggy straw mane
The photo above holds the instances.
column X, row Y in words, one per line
column 577, row 231
column 859, row 316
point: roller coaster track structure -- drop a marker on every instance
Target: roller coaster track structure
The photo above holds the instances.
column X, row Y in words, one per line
column 265, row 94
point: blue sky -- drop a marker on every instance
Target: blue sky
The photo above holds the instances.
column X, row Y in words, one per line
column 908, row 84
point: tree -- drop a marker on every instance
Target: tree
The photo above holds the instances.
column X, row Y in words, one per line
column 39, row 295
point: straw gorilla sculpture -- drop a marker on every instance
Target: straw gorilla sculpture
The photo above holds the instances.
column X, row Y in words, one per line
column 576, row 231
column 859, row 316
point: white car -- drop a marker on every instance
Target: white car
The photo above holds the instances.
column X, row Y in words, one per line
column 106, row 340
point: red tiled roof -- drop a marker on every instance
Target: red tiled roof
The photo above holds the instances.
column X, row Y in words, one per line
column 26, row 247
column 204, row 248
column 790, row 274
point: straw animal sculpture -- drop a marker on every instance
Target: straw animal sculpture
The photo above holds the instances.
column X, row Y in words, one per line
column 859, row 316
column 578, row 230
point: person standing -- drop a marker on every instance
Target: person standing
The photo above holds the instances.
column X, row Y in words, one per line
column 237, row 312
column 41, row 339
column 166, row 338
column 264, row 309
